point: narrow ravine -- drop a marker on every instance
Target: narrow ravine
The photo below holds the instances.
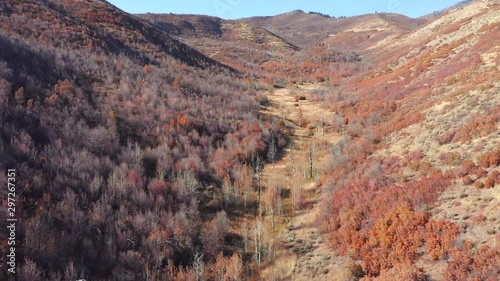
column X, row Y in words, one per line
column 300, row 250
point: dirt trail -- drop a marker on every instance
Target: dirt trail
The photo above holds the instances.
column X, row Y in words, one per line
column 301, row 252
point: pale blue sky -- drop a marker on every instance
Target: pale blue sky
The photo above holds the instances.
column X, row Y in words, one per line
column 231, row 9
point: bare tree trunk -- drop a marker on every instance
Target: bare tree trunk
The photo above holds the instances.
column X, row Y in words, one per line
column 322, row 125
column 258, row 241
column 311, row 162
column 246, row 235
column 198, row 265
column 258, row 168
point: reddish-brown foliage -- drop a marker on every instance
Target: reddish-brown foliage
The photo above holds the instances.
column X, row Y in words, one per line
column 479, row 184
column 439, row 236
column 468, row 167
column 403, row 271
column 120, row 159
column 468, row 264
column 489, row 159
column 494, row 177
column 450, row 158
column 226, row 268
column 480, row 173
column 393, row 240
column 157, row 187
column 480, row 126
column 477, row 219
column 466, row 180
column 489, row 183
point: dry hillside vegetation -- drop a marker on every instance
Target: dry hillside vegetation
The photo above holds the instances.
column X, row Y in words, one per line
column 124, row 138
column 307, row 29
column 293, row 147
column 300, row 251
column 435, row 118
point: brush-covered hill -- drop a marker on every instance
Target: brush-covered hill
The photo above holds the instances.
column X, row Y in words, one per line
column 121, row 138
column 438, row 13
column 414, row 186
column 186, row 25
column 411, row 192
column 309, row 29
column 95, row 25
column 236, row 43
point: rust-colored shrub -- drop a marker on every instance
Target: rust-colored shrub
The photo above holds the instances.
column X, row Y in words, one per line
column 393, row 240
column 478, row 219
column 480, row 172
column 481, row 126
column 466, row 180
column 225, row 268
column 450, row 158
column 414, row 160
column 469, row 167
column 494, row 177
column 405, row 271
column 479, row 184
column 157, row 187
column 489, row 183
column 447, row 137
column 469, row 265
column 489, row 159
column 439, row 236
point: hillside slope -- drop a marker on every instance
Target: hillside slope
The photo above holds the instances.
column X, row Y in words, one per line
column 96, row 25
column 121, row 138
column 236, row 43
column 186, row 25
column 305, row 29
column 422, row 133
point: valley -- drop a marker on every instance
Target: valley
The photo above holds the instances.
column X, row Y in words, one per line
column 290, row 147
column 299, row 244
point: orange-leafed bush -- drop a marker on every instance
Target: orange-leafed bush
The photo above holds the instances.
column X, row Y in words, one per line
column 450, row 158
column 226, row 268
column 494, row 177
column 466, row 180
column 479, row 218
column 447, row 137
column 489, row 183
column 489, row 159
column 439, row 236
column 469, row 167
column 157, row 187
column 405, row 271
column 480, row 172
column 487, row 27
column 393, row 240
column 426, row 190
column 481, row 126
column 479, row 184
column 468, row 264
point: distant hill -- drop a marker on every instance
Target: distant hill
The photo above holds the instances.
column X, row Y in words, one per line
column 306, row 29
column 186, row 25
column 198, row 26
column 436, row 14
column 234, row 42
column 99, row 25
